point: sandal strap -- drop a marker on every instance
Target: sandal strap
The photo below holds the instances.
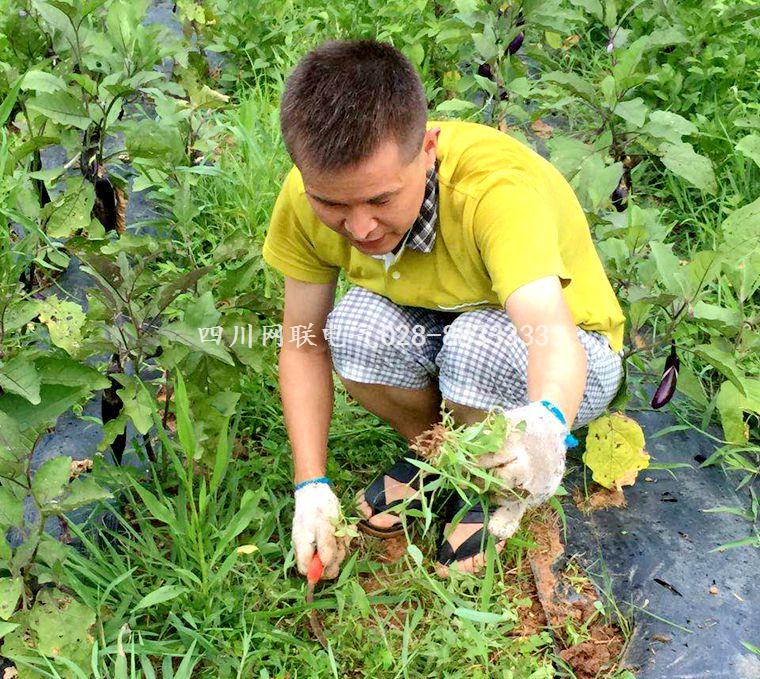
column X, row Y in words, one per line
column 474, row 514
column 473, row 545
column 402, row 471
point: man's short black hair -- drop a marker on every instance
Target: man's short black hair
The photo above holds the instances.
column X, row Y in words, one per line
column 345, row 98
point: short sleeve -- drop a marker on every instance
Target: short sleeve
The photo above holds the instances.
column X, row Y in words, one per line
column 288, row 248
column 517, row 232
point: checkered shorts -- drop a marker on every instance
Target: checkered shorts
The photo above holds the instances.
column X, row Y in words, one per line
column 477, row 356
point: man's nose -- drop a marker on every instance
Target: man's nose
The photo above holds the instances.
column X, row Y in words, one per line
column 360, row 224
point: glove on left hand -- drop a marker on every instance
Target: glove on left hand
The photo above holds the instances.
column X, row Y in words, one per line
column 531, row 461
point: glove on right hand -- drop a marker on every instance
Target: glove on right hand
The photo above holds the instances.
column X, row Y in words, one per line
column 316, row 515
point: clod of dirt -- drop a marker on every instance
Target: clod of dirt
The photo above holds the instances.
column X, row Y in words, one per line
column 601, row 499
column 393, row 549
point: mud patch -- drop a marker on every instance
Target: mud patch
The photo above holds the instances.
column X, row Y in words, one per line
column 569, row 604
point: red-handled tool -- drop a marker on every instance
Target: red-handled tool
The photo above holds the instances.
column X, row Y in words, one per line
column 313, row 575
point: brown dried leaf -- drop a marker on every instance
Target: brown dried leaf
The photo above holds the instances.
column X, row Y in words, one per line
column 541, row 128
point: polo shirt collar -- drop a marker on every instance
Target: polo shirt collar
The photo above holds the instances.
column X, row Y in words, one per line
column 422, row 234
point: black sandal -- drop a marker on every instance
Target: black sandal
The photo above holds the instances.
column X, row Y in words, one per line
column 473, row 545
column 403, row 471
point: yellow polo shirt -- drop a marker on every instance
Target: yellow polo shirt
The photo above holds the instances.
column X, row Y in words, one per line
column 506, row 216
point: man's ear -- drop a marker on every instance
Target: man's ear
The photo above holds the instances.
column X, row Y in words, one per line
column 430, row 144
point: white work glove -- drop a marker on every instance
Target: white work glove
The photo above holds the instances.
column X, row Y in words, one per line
column 532, row 462
column 316, row 515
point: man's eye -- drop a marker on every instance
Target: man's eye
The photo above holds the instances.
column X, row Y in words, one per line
column 380, row 202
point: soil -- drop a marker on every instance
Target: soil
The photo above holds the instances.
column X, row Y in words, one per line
column 564, row 606
column 600, row 499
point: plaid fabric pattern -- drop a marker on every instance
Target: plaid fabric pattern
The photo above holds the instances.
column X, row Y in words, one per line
column 477, row 356
column 421, row 235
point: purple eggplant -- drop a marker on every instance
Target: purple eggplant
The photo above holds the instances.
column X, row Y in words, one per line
column 484, row 70
column 667, row 386
column 516, row 44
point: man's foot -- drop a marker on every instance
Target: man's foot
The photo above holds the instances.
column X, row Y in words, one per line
column 470, row 564
column 399, row 482
column 464, row 549
column 394, row 490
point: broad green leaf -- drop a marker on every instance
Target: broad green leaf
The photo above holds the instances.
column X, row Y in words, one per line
column 65, row 321
column 83, row 492
column 63, row 627
column 11, row 510
column 719, row 355
column 10, row 593
column 567, row 154
column 15, row 446
column 191, row 337
column 730, row 404
column 201, row 312
column 51, row 479
column 633, row 111
column 690, row 385
column 455, row 106
column 700, row 271
column 615, row 450
column 572, row 82
column 741, row 231
column 71, row 373
column 608, row 87
column 54, row 400
column 138, row 404
column 160, row 596
column 682, row 160
column 41, row 81
column 150, row 139
column 669, row 126
column 712, row 313
column 485, row 44
column 593, row 7
column 743, row 273
column 750, row 147
column 596, row 181
column 6, row 627
column 19, row 376
column 62, row 108
column 72, row 210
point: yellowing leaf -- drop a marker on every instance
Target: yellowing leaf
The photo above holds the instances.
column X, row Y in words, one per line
column 615, row 450
column 64, row 321
column 247, row 549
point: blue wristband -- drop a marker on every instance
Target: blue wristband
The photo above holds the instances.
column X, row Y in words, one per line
column 570, row 440
column 319, row 479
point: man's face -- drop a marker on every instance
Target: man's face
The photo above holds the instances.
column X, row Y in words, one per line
column 373, row 203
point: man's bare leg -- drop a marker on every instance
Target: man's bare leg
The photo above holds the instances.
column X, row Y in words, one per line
column 410, row 412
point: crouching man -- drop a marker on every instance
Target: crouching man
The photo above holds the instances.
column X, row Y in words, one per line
column 476, row 285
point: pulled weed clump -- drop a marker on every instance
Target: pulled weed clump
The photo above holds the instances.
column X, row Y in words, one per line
column 451, row 455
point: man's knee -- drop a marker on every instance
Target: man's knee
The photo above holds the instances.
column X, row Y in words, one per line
column 483, row 363
column 463, row 414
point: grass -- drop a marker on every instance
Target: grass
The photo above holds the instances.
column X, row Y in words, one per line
column 196, row 577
